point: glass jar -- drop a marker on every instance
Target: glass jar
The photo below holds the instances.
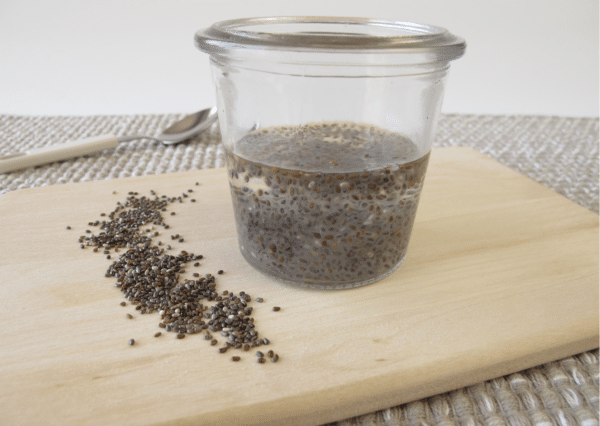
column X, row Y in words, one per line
column 328, row 124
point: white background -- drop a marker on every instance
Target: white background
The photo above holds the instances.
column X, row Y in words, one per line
column 74, row 57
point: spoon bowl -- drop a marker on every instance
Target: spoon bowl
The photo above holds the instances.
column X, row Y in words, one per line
column 181, row 130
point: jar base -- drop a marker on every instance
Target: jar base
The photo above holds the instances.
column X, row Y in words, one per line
column 325, row 285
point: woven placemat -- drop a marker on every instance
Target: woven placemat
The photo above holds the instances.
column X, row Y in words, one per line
column 561, row 153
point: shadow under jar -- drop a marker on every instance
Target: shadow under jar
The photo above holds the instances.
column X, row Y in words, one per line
column 327, row 125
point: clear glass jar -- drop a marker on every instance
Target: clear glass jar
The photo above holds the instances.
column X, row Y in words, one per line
column 327, row 124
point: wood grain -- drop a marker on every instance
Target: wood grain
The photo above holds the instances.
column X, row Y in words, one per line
column 501, row 275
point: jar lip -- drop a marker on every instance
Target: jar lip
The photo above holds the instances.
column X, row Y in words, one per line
column 328, row 34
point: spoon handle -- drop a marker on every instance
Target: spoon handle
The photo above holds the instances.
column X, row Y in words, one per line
column 58, row 152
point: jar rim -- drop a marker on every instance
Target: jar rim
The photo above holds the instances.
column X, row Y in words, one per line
column 329, row 34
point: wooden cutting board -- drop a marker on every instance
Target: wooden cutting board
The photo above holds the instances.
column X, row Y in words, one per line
column 501, row 275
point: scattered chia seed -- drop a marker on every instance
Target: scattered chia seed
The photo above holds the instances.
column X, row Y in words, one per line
column 68, row 227
column 260, row 299
column 276, row 308
column 151, row 279
column 235, row 358
column 131, row 342
column 220, row 272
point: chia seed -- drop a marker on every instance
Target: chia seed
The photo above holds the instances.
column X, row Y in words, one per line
column 357, row 210
column 150, row 279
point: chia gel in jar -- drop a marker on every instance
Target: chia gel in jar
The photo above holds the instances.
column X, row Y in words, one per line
column 327, row 125
column 320, row 216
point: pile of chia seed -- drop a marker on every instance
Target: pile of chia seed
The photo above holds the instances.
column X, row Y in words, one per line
column 325, row 205
column 150, row 278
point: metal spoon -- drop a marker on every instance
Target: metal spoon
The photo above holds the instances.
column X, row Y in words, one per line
column 184, row 129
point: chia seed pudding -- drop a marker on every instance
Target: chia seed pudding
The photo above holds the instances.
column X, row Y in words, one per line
column 325, row 205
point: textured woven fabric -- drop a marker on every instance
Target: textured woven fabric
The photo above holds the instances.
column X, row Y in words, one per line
column 561, row 153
